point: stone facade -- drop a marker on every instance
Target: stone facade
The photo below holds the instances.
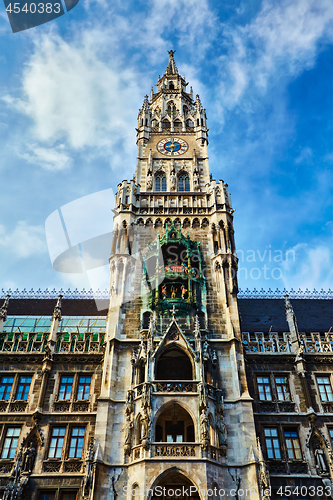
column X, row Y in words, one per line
column 161, row 389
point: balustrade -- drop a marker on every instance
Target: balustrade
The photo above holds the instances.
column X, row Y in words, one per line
column 175, row 450
column 267, row 342
column 313, row 342
column 66, row 342
column 175, row 386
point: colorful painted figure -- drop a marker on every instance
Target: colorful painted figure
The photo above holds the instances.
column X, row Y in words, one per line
column 183, row 290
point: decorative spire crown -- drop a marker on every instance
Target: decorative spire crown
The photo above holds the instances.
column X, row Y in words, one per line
column 171, row 67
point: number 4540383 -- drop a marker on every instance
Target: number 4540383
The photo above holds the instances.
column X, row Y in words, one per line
column 31, row 8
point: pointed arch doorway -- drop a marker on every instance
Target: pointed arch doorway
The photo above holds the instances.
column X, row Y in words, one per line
column 173, row 485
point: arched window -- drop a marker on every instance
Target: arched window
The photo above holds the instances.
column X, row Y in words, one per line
column 172, row 110
column 183, row 183
column 174, row 425
column 171, row 86
column 160, row 182
column 174, row 364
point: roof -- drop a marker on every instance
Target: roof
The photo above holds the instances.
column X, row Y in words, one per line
column 69, row 307
column 259, row 315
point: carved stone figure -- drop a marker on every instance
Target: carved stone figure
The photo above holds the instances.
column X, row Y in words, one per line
column 29, row 458
column 149, row 181
column 204, row 426
column 145, row 427
column 320, row 461
column 173, row 181
column 221, row 430
column 129, row 431
column 202, row 396
column 146, row 396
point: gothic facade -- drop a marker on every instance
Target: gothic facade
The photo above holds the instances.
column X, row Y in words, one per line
column 169, row 391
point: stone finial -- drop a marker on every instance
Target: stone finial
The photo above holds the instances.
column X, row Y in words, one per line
column 57, row 309
column 4, row 309
column 171, row 67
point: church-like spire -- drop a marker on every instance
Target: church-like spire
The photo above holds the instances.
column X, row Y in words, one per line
column 171, row 67
column 4, row 309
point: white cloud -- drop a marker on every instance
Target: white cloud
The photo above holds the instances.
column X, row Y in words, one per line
column 280, row 42
column 48, row 158
column 305, row 155
column 70, row 92
column 24, row 241
column 311, row 268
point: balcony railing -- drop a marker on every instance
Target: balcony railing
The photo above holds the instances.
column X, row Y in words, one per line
column 175, row 450
column 276, row 407
column 317, row 342
column 66, row 342
column 175, row 386
column 266, row 342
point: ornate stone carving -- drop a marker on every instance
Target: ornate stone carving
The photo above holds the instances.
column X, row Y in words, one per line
column 52, row 466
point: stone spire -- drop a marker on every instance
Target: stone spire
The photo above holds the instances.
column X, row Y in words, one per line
column 56, row 318
column 4, row 310
column 292, row 323
column 171, row 67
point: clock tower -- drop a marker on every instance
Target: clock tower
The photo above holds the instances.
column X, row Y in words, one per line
column 174, row 410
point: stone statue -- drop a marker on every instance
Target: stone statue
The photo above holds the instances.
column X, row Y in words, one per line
column 320, row 461
column 29, row 458
column 145, row 427
column 149, row 182
column 202, row 396
column 221, row 430
column 129, row 431
column 204, row 426
column 173, row 181
column 146, row 396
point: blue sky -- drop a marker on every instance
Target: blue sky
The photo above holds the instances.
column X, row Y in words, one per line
column 70, row 91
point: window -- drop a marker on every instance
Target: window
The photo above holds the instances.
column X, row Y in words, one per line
column 65, row 389
column 57, row 442
column 10, row 443
column 83, row 390
column 46, row 495
column 325, row 389
column 184, row 183
column 160, row 183
column 282, row 388
column 23, row 388
column 331, row 435
column 264, row 388
column 293, row 446
column 6, row 385
column 76, row 442
column 69, row 495
column 272, row 443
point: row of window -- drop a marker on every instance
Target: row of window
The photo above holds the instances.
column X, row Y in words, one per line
column 290, row 436
column 278, row 387
column 63, row 495
column 66, row 385
column 183, row 183
column 63, row 440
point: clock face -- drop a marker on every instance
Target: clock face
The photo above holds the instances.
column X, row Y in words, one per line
column 172, row 147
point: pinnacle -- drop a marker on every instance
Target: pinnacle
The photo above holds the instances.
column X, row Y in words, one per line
column 171, row 67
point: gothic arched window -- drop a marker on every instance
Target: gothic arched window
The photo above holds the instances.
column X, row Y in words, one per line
column 183, row 183
column 160, row 183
